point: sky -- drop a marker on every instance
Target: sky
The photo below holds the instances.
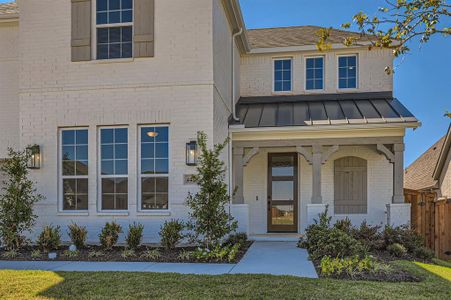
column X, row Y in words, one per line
column 422, row 78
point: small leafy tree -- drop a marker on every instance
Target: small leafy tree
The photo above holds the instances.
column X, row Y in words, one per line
column 17, row 199
column 210, row 221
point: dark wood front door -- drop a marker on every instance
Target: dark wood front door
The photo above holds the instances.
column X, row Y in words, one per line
column 282, row 192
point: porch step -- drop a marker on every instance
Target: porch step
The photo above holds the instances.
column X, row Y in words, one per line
column 276, row 237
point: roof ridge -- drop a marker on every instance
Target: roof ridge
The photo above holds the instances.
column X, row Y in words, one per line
column 304, row 26
column 435, row 145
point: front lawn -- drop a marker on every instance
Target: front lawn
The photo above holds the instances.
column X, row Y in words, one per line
column 44, row 285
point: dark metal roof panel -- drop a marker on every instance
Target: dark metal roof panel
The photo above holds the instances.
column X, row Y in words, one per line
column 338, row 109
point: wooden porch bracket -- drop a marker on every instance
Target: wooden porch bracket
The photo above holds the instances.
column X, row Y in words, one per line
column 247, row 158
column 306, row 153
column 385, row 151
column 326, row 154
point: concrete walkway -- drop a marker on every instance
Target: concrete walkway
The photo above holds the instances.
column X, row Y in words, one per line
column 276, row 258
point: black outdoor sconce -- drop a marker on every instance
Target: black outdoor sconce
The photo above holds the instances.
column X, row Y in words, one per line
column 34, row 157
column 191, row 153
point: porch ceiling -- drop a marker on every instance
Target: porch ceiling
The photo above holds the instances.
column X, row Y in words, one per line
column 325, row 109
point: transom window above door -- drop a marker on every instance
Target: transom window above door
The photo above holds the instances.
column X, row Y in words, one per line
column 114, row 24
column 314, row 73
column 283, row 75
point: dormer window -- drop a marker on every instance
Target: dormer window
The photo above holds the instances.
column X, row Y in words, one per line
column 282, row 75
column 347, row 72
column 114, row 28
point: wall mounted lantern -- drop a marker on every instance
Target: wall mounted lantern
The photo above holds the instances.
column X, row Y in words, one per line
column 191, row 153
column 34, row 157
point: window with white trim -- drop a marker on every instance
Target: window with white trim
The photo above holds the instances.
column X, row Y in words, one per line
column 282, row 75
column 114, row 26
column 347, row 72
column 154, row 167
column 74, row 169
column 114, row 168
column 314, row 77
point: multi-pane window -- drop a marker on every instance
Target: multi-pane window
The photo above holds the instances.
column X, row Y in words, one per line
column 114, row 28
column 314, row 73
column 282, row 75
column 154, row 167
column 114, row 168
column 74, row 168
column 347, row 72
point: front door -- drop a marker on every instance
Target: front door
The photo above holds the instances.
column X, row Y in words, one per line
column 282, row 192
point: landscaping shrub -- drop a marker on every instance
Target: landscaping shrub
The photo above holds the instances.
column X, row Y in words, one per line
column 171, row 233
column 344, row 225
column 95, row 254
column 10, row 254
column 78, row 235
column 185, row 255
column 151, row 254
column 109, row 235
column 402, row 235
column 424, row 253
column 397, row 250
column 128, row 253
column 335, row 267
column 71, row 254
column 134, row 236
column 36, row 254
column 370, row 236
column 17, row 198
column 218, row 253
column 236, row 238
column 210, row 202
column 50, row 238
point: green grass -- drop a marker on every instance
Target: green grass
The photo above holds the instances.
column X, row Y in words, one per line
column 50, row 285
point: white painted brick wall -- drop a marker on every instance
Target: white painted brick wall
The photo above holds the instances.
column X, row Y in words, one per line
column 9, row 87
column 257, row 72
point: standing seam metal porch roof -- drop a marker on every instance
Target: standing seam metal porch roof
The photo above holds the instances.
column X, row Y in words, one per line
column 325, row 109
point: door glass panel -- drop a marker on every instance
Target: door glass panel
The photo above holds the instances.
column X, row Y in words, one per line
column 282, row 190
column 282, row 214
column 282, row 166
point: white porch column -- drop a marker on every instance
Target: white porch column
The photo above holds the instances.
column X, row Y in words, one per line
column 398, row 173
column 238, row 177
column 317, row 197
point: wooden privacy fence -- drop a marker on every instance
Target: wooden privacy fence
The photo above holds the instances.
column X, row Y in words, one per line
column 431, row 218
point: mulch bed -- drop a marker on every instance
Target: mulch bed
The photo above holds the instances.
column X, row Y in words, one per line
column 168, row 256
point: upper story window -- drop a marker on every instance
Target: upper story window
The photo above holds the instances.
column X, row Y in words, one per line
column 314, row 73
column 283, row 75
column 114, row 28
column 347, row 72
column 74, row 169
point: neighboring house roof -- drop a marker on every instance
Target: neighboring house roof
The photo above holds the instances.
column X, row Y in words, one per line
column 326, row 109
column 443, row 155
column 295, row 36
column 419, row 175
column 9, row 10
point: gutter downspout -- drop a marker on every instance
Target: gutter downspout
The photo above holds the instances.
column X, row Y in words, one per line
column 235, row 118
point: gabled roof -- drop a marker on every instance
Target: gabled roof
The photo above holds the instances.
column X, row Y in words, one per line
column 325, row 109
column 419, row 175
column 9, row 10
column 443, row 155
column 296, row 36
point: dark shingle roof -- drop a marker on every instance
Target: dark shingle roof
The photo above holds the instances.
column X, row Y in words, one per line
column 418, row 175
column 295, row 36
column 326, row 109
column 9, row 9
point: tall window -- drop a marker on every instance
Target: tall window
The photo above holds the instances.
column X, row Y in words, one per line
column 314, row 73
column 154, row 167
column 114, row 168
column 114, row 28
column 74, row 168
column 282, row 75
column 347, row 72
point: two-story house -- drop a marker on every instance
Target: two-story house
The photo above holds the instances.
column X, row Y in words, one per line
column 113, row 93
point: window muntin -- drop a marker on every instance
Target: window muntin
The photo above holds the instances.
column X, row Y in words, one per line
column 282, row 75
column 114, row 168
column 154, row 167
column 74, row 169
column 314, row 73
column 114, row 28
column 347, row 72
